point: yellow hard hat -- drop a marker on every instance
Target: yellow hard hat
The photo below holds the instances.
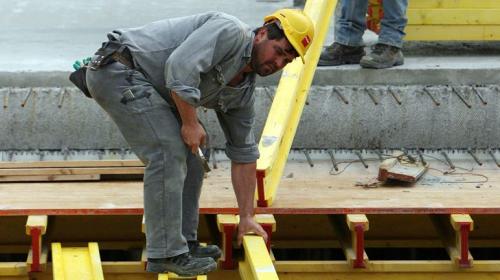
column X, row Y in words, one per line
column 297, row 26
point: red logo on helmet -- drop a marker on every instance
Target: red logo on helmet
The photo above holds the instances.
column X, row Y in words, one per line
column 306, row 41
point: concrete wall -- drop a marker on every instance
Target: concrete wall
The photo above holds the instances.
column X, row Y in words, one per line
column 50, row 121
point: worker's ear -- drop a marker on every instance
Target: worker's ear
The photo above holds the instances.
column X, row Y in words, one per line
column 261, row 34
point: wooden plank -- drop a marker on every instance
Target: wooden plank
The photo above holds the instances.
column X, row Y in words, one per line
column 453, row 16
column 453, row 4
column 389, row 266
column 449, row 237
column 452, row 33
column 36, row 221
column 76, row 262
column 347, row 239
column 257, row 260
column 312, row 192
column 70, row 163
column 70, row 171
column 13, row 269
column 288, row 104
column 50, row 178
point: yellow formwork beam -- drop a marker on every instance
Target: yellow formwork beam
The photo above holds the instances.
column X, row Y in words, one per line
column 76, row 262
column 453, row 4
column 288, row 103
column 11, row 269
column 36, row 226
column 170, row 275
column 453, row 16
column 257, row 264
column 452, row 32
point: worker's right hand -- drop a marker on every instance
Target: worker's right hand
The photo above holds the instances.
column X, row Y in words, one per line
column 249, row 225
column 193, row 135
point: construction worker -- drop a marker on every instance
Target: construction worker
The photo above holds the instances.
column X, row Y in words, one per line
column 151, row 79
column 350, row 25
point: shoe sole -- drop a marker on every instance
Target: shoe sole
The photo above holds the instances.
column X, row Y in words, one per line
column 160, row 268
column 373, row 65
column 345, row 61
column 215, row 257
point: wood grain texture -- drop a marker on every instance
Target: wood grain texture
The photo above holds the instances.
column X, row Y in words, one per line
column 303, row 190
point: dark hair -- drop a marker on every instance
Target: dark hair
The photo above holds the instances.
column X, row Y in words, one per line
column 274, row 32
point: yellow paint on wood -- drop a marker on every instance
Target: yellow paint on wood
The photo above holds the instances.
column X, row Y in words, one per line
column 288, row 103
column 454, row 4
column 43, row 257
column 170, row 275
column 81, row 262
column 353, row 219
column 452, row 33
column 36, row 221
column 225, row 219
column 257, row 259
column 453, row 16
column 266, row 219
column 420, row 266
column 10, row 269
column 457, row 219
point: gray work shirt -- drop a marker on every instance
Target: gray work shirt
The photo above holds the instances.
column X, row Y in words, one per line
column 196, row 56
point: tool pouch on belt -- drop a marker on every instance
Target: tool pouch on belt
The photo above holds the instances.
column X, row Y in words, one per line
column 102, row 57
column 78, row 79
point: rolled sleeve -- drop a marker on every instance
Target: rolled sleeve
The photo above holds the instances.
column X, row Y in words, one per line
column 237, row 125
column 203, row 49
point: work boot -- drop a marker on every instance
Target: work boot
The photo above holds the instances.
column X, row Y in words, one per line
column 198, row 251
column 338, row 54
column 383, row 56
column 182, row 265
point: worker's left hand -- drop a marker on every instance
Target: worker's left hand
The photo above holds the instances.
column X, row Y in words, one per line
column 248, row 224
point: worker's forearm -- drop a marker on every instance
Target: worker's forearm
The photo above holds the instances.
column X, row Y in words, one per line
column 186, row 110
column 243, row 178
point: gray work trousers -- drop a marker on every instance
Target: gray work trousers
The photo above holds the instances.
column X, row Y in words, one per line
column 173, row 175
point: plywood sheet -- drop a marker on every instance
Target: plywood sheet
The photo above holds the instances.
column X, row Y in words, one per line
column 303, row 190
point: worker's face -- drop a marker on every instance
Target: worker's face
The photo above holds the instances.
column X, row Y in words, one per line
column 270, row 56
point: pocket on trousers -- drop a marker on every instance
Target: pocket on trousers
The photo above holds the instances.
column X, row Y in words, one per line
column 137, row 99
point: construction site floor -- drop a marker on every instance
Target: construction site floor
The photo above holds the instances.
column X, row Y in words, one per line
column 303, row 190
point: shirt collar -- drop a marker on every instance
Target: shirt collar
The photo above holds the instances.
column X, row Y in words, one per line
column 247, row 53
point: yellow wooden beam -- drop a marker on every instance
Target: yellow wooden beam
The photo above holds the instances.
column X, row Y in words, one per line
column 226, row 219
column 257, row 263
column 453, row 4
column 76, row 262
column 288, row 103
column 457, row 219
column 438, row 266
column 36, row 221
column 345, row 229
column 36, row 226
column 229, row 219
column 453, row 16
column 170, row 275
column 43, row 258
column 451, row 237
column 462, row 224
column 452, row 33
column 267, row 219
column 11, row 269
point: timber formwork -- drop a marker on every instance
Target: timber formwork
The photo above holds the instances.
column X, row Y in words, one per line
column 325, row 214
column 323, row 223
